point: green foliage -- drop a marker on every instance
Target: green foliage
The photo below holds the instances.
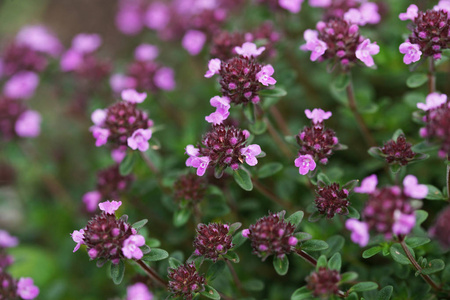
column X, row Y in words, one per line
column 155, row 255
column 117, row 272
column 243, row 179
column 281, row 265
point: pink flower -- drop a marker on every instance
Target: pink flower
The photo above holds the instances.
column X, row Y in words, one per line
column 157, row 16
column 313, row 44
column 98, row 116
column 220, row 102
column 433, row 100
column 368, row 185
column 245, row 233
column 40, row 39
column 28, row 124
column 100, row 135
column 138, row 291
column 21, row 86
column 411, row 13
column 250, row 152
column 130, row 247
column 412, row 52
column 118, row 154
column 306, row 163
column 293, row 241
column 320, row 3
column 26, row 288
column 78, row 237
column 403, row 223
column 91, row 200
column 192, row 152
column 264, row 76
column 360, row 231
column 129, row 19
column 213, row 67
column 365, row 50
column 139, row 139
column 165, row 79
column 293, row 6
column 369, row 13
column 218, row 116
column 146, row 52
column 317, row 115
column 119, row 82
column 71, row 60
column 110, row 207
column 249, row 49
column 193, row 41
column 201, row 164
column 443, row 5
column 354, row 16
column 132, row 96
column 413, row 189
column 86, row 43
column 6, row 240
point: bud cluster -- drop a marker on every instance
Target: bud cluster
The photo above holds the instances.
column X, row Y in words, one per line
column 212, row 240
column 324, row 282
column 332, row 199
column 184, row 281
column 190, row 188
column 398, row 151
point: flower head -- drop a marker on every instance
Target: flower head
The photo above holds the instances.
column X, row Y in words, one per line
column 110, row 207
column 193, row 41
column 26, row 288
column 439, row 231
column 412, row 52
column 305, row 163
column 212, row 240
column 324, row 282
column 139, row 139
column 433, row 100
column 398, row 151
column 190, row 188
column 332, row 199
column 365, row 50
column 360, row 231
column 249, row 50
column 185, row 281
column 368, row 185
column 133, row 96
column 131, row 246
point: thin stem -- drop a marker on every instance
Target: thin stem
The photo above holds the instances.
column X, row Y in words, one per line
column 361, row 124
column 152, row 273
column 431, row 76
column 279, row 141
column 280, row 120
column 149, row 163
column 236, row 278
column 270, row 195
column 417, row 266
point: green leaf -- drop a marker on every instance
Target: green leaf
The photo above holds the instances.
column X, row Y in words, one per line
column 397, row 133
column 353, row 213
column 371, row 252
column 363, row 286
column 127, row 164
column 296, row 218
column 249, row 112
column 335, row 262
column 324, row 178
column 259, row 127
column 281, row 265
column 302, row 294
column 321, row 262
column 385, row 293
column 181, row 216
column 238, row 240
column 335, row 244
column 416, row 80
column 156, row 254
column 434, row 193
column 232, row 256
column 303, row 236
column 399, row 255
column 153, row 243
column 414, row 242
column 253, row 285
column 315, row 216
column 424, row 146
column 269, row 169
column 243, row 179
column 139, row 224
column 117, row 272
column 214, row 270
column 395, row 168
column 233, row 227
column 421, row 216
column 348, row 276
column 314, row 245
column 174, row 263
column 273, row 93
column 433, row 266
column 341, row 81
column 353, row 296
column 210, row 293
column 376, row 153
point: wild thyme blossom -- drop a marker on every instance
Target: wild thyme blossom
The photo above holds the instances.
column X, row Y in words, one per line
column 16, row 58
column 439, row 230
column 359, row 12
column 184, row 281
column 212, row 240
column 242, row 77
column 316, row 143
column 189, row 188
column 222, row 105
column 430, row 33
column 294, row 6
column 324, row 282
column 224, row 146
column 122, row 124
column 109, row 238
column 437, row 121
column 332, row 199
column 340, row 41
column 398, row 151
column 388, row 210
column 139, row 291
column 271, row 235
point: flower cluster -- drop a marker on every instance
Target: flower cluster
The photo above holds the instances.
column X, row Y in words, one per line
column 189, row 188
column 242, row 77
column 224, row 146
column 437, row 121
column 430, row 33
column 339, row 40
column 332, row 199
column 11, row 288
column 109, row 184
column 144, row 73
column 184, row 281
column 324, row 282
column 139, row 291
column 316, row 142
column 398, row 151
column 294, row 6
column 122, row 124
column 109, row 238
column 212, row 240
column 271, row 235
column 439, row 231
column 388, row 210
